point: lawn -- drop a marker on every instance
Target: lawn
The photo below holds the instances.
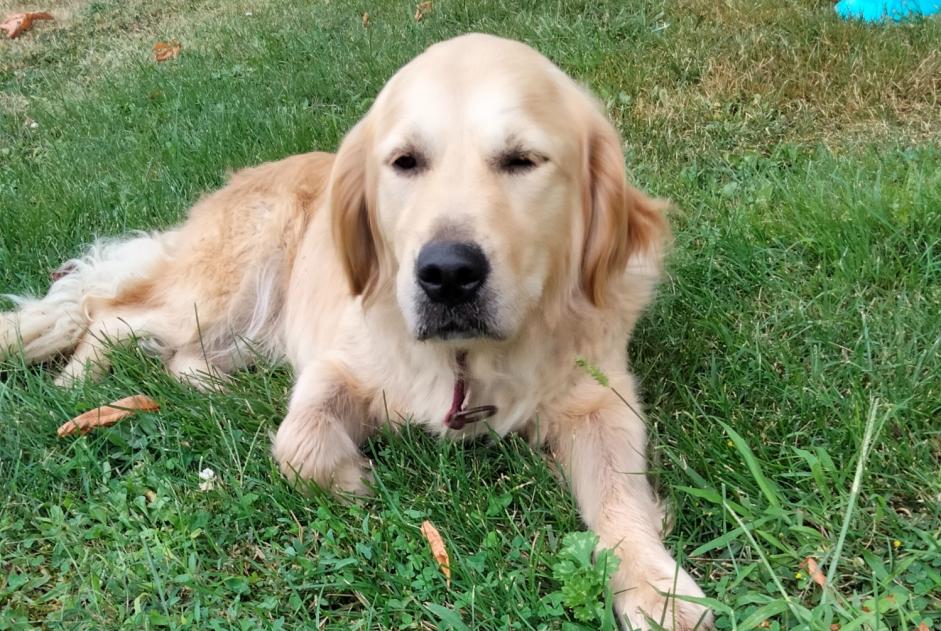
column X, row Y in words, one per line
column 790, row 365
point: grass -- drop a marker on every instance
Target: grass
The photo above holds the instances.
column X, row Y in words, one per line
column 791, row 364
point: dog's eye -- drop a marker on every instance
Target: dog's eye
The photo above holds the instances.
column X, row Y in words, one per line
column 517, row 162
column 406, row 163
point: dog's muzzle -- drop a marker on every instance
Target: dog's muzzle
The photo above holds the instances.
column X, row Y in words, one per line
column 454, row 302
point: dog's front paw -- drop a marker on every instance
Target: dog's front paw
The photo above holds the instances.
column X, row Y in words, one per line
column 353, row 476
column 349, row 474
column 7, row 334
column 327, row 458
column 645, row 601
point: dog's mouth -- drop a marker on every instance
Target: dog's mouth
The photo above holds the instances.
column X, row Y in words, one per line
column 454, row 297
column 462, row 322
column 453, row 331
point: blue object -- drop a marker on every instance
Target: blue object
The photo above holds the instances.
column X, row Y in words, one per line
column 879, row 10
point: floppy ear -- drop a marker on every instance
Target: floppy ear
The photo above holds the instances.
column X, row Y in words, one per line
column 619, row 219
column 354, row 232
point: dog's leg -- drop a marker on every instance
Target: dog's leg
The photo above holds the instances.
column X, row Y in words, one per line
column 600, row 444
column 56, row 323
column 191, row 367
column 89, row 360
column 45, row 326
column 320, row 436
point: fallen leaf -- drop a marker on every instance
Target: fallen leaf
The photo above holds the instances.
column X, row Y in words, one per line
column 923, row 627
column 366, row 19
column 813, row 570
column 166, row 50
column 835, row 626
column 108, row 414
column 421, row 10
column 437, row 548
column 18, row 22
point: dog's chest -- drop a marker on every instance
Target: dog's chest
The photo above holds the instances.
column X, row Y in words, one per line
column 513, row 396
column 499, row 397
column 426, row 383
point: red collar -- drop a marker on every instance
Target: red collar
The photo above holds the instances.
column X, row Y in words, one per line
column 458, row 416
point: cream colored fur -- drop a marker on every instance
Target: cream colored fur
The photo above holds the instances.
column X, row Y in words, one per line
column 311, row 259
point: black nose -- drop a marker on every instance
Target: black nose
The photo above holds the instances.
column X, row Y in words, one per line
column 451, row 272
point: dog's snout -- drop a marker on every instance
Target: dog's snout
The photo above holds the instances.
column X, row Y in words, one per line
column 451, row 272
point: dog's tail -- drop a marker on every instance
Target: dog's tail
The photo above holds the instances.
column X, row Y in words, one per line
column 54, row 324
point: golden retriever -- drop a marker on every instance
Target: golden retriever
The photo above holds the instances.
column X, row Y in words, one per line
column 471, row 239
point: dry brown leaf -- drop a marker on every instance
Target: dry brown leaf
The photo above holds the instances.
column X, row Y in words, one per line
column 366, row 19
column 166, row 50
column 421, row 10
column 813, row 570
column 923, row 627
column 438, row 550
column 835, row 626
column 108, row 414
column 18, row 22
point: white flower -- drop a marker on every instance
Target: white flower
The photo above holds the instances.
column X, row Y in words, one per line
column 208, row 477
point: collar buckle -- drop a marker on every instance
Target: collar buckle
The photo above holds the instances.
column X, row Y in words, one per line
column 471, row 415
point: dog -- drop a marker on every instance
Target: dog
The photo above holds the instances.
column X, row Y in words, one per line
column 472, row 244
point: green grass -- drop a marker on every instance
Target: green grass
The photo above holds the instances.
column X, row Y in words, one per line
column 802, row 306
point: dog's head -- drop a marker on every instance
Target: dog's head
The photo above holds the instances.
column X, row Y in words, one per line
column 483, row 183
